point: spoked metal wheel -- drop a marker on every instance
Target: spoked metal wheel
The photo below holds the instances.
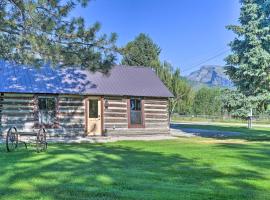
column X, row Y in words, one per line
column 41, row 141
column 12, row 139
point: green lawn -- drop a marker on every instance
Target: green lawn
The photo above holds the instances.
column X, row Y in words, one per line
column 185, row 168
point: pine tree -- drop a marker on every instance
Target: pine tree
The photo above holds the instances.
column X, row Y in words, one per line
column 249, row 63
column 38, row 32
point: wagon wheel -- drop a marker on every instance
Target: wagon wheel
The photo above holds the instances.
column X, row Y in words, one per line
column 41, row 140
column 12, row 139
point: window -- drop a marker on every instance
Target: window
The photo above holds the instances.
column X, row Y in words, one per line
column 136, row 112
column 47, row 110
column 93, row 108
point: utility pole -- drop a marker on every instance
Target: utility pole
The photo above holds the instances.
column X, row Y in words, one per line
column 250, row 119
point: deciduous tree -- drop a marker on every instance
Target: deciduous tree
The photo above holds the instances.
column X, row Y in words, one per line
column 142, row 51
column 179, row 87
column 207, row 101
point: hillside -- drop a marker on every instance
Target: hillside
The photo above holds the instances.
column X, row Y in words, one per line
column 210, row 75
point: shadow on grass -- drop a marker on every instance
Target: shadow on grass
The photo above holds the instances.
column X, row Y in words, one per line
column 245, row 133
column 111, row 171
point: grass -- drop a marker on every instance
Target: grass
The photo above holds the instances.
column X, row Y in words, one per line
column 185, row 168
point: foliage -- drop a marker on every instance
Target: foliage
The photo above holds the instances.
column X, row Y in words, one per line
column 41, row 32
column 142, row 51
column 232, row 100
column 235, row 103
column 181, row 90
column 207, row 101
column 185, row 105
column 250, row 59
column 248, row 65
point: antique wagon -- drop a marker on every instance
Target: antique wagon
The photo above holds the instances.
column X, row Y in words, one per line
column 38, row 138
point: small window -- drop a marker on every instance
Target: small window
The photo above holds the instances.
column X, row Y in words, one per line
column 135, row 104
column 47, row 110
column 136, row 112
column 93, row 108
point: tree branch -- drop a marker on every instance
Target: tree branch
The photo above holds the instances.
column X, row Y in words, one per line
column 9, row 31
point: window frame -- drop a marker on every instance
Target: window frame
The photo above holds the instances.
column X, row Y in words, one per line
column 97, row 107
column 54, row 123
column 142, row 125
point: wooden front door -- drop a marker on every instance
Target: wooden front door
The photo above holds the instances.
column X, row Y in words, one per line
column 94, row 116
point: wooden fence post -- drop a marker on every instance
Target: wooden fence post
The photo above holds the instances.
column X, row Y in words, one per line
column 250, row 119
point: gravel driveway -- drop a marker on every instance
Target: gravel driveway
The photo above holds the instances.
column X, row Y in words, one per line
column 177, row 130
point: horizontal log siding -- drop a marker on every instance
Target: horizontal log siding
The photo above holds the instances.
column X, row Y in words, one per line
column 17, row 110
column 71, row 116
column 115, row 116
column 155, row 116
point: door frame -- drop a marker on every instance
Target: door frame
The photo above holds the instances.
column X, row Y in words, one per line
column 142, row 113
column 86, row 113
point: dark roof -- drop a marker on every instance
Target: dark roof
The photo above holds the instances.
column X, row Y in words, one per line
column 121, row 81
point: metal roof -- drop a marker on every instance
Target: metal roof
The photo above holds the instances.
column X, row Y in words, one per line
column 121, row 81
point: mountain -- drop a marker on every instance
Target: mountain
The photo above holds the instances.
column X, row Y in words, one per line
column 210, row 75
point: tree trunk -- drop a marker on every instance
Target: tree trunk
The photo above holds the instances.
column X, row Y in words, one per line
column 172, row 110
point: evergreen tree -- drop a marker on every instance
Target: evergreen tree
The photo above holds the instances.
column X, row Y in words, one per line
column 142, row 51
column 41, row 32
column 234, row 103
column 249, row 63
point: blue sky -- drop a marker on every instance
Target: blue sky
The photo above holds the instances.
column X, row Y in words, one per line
column 188, row 31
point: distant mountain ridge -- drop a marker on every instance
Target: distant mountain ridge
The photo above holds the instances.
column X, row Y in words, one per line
column 210, row 75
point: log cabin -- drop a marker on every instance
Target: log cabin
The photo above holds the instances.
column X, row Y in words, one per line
column 77, row 102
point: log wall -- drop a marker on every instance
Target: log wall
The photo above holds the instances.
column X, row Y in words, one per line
column 20, row 110
column 71, row 115
column 17, row 110
column 115, row 115
column 156, row 116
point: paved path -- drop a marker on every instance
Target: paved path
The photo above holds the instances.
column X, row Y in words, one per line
column 178, row 130
column 101, row 139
